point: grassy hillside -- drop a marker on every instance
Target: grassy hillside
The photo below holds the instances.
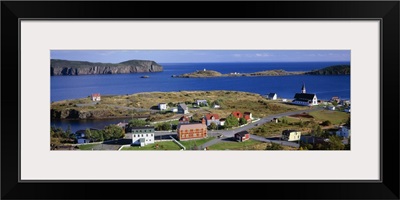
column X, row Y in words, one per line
column 332, row 70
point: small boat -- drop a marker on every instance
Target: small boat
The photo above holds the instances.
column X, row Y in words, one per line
column 144, row 76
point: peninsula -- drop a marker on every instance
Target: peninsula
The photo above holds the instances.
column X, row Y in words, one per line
column 331, row 70
column 66, row 67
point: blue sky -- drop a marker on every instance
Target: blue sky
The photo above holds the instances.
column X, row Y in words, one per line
column 189, row 56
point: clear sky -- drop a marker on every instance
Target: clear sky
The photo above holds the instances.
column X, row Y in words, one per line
column 189, row 56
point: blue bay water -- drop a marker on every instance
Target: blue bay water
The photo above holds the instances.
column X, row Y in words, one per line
column 71, row 87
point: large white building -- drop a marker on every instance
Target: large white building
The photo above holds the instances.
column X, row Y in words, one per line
column 142, row 136
column 162, row 106
column 304, row 98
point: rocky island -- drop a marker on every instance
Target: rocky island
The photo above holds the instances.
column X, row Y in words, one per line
column 212, row 73
column 66, row 67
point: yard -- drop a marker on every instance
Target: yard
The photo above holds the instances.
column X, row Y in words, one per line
column 87, row 146
column 233, row 145
column 192, row 143
column 166, row 145
column 336, row 117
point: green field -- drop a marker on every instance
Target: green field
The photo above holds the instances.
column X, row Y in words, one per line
column 87, row 146
column 336, row 117
column 191, row 143
column 235, row 145
column 167, row 145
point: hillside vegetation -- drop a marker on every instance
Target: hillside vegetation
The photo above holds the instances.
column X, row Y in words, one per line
column 332, row 70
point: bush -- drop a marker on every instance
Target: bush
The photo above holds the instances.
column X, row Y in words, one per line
column 326, row 123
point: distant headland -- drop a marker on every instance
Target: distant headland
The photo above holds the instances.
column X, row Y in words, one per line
column 331, row 70
column 66, row 67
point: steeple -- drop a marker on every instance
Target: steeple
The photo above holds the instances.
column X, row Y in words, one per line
column 303, row 89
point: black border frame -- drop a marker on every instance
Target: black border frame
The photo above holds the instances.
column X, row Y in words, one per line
column 386, row 11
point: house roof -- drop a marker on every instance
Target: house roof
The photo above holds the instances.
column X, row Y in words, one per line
column 161, row 103
column 183, row 106
column 208, row 116
column 184, row 118
column 247, row 113
column 242, row 133
column 192, row 126
column 96, row 95
column 287, row 132
column 142, row 127
column 202, row 100
column 270, row 95
column 222, row 119
column 247, row 117
column 237, row 114
column 304, row 96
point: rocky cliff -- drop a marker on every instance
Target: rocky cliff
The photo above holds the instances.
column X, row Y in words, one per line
column 66, row 67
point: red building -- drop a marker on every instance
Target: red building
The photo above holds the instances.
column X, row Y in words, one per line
column 192, row 131
column 242, row 136
column 237, row 114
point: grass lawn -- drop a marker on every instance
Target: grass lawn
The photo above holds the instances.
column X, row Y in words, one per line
column 336, row 117
column 87, row 146
column 272, row 129
column 167, row 145
column 249, row 145
column 199, row 142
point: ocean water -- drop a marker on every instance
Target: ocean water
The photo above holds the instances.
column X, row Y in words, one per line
column 71, row 87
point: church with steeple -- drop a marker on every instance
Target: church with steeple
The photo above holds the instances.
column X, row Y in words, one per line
column 305, row 99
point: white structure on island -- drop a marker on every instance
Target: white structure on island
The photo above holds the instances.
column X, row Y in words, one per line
column 162, row 106
column 305, row 99
column 96, row 97
column 142, row 136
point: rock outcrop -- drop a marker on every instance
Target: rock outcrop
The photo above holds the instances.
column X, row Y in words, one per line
column 66, row 67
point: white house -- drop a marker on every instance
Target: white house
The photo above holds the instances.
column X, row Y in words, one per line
column 272, row 96
column 81, row 137
column 222, row 122
column 344, row 131
column 201, row 102
column 217, row 106
column 291, row 135
column 174, row 110
column 331, row 108
column 162, row 106
column 284, row 100
column 142, row 136
column 96, row 97
column 347, row 110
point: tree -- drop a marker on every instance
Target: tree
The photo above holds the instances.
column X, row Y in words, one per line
column 114, row 132
column 326, row 123
column 231, row 121
column 335, row 143
column 213, row 126
column 137, row 123
column 274, row 146
column 334, row 103
column 242, row 121
column 170, row 104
